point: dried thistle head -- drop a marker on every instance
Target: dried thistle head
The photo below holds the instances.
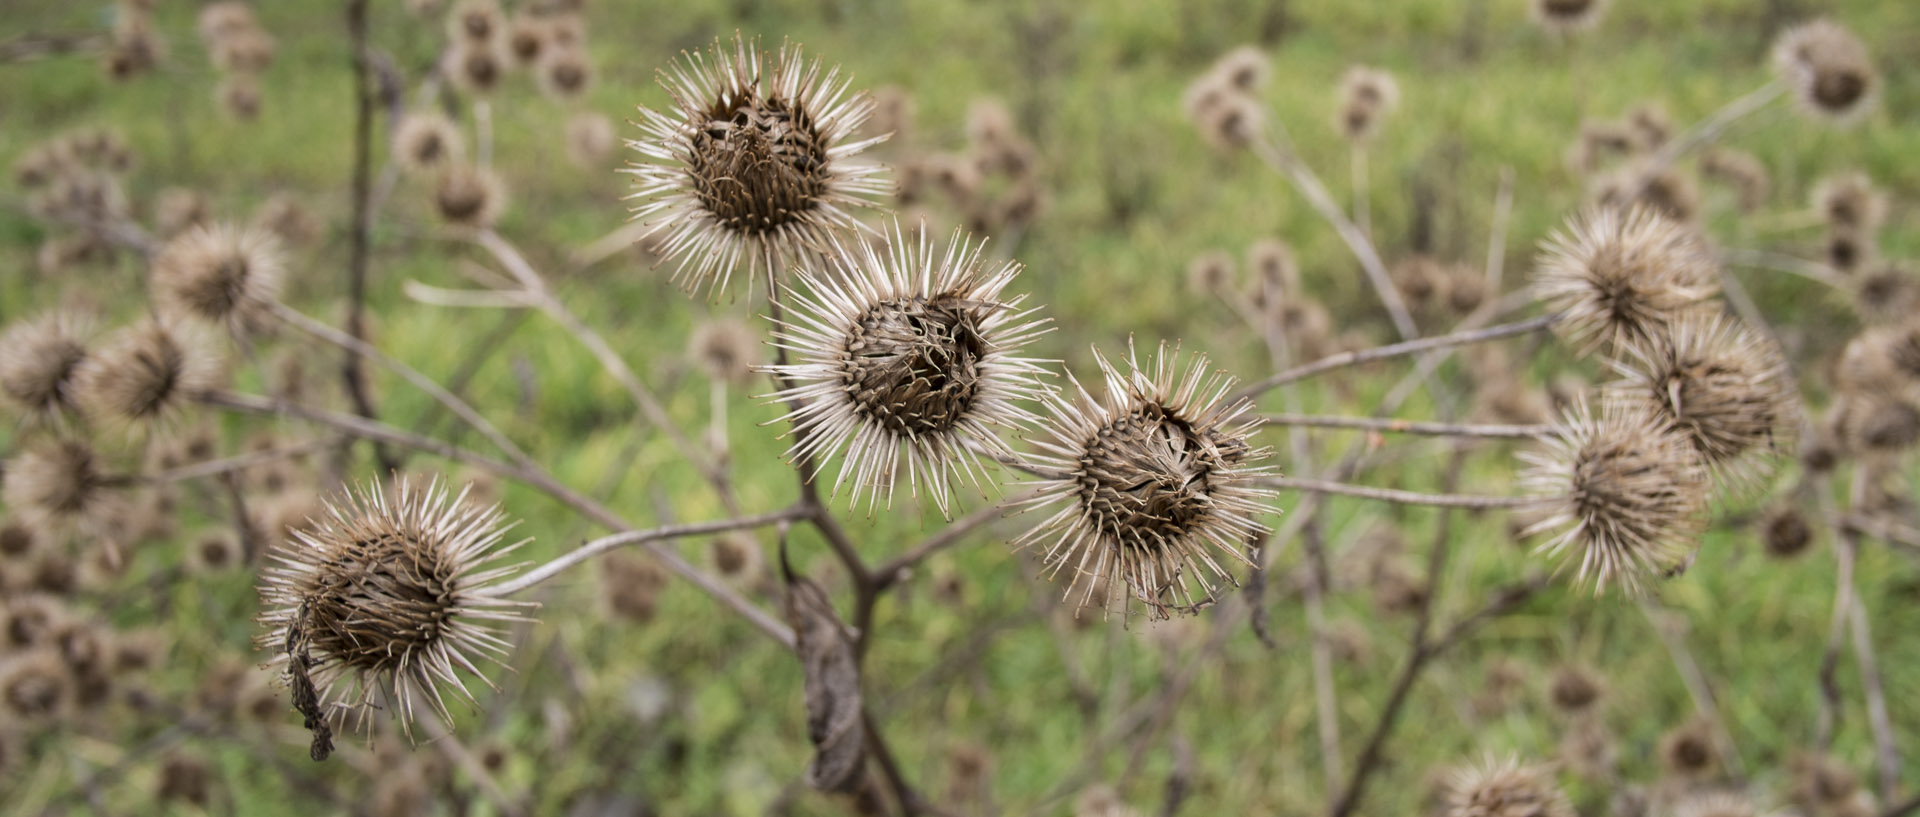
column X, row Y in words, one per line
column 736, row 557
column 215, row 553
column 1822, row 783
column 753, row 163
column 144, row 375
column 1210, row 273
column 383, row 600
column 248, row 51
column 1850, row 201
column 527, row 38
column 565, row 73
column 1648, row 184
column 1720, row 385
column 474, row 21
column 1687, row 751
column 1276, row 273
column 590, row 139
column 1785, row 532
column 59, row 483
column 1622, row 278
column 35, row 687
column 1630, row 494
column 179, row 209
column 39, row 362
column 1367, row 95
column 1235, row 123
column 469, row 197
column 225, row 18
column 19, row 542
column 1156, row 485
column 1651, row 125
column 476, row 67
column 224, row 275
column 239, row 95
column 1497, row 787
column 1877, row 422
column 427, row 140
column 1848, row 250
column 283, row 215
column 1888, row 293
column 1575, row 690
column 1828, row 70
column 1244, row 69
column 727, row 349
column 1741, row 171
column 907, row 352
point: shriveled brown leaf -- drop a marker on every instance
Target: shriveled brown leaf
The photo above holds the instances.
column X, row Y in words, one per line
column 832, row 684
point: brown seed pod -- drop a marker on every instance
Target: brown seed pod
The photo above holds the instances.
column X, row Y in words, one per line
column 1210, row 273
column 1828, row 69
column 1505, row 788
column 1573, row 689
column 185, row 778
column 475, row 66
column 527, row 38
column 590, row 139
column 35, row 687
column 1741, row 171
column 1785, row 532
column 145, row 374
column 39, row 362
column 1687, row 752
column 283, row 215
column 476, row 21
column 427, row 140
column 1722, row 386
column 1622, row 278
column 727, row 349
column 59, row 484
column 470, row 197
column 1849, row 201
column 1367, row 95
column 223, row 275
column 565, row 73
column 239, row 95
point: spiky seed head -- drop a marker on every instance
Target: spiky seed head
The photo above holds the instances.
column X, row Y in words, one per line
column 1719, row 384
column 35, row 687
column 727, row 349
column 145, row 374
column 1367, row 95
column 1497, row 787
column 1155, row 482
column 18, row 541
column 1588, row 750
column 590, row 139
column 178, row 209
column 57, row 483
column 475, row 66
column 1828, row 69
column 736, row 557
column 1421, row 280
column 526, row 39
column 907, row 354
column 1881, row 422
column 752, row 163
column 1210, row 272
column 427, row 140
column 384, row 599
column 215, row 553
column 1272, row 264
column 1848, row 250
column 565, row 73
column 1244, row 69
column 630, row 586
column 469, row 197
column 1687, row 751
column 1645, row 183
column 1621, row 278
column 1598, row 141
column 1651, row 125
column 1235, row 123
column 39, row 361
column 1785, row 532
column 1822, row 783
column 1850, row 201
column 474, row 21
column 1630, row 494
column 1574, row 689
column 1741, row 171
column 223, row 274
column 1888, row 293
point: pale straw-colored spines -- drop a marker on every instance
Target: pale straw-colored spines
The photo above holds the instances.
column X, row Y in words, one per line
column 1622, row 277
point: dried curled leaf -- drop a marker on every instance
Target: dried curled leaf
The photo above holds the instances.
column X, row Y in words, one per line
column 305, row 698
column 832, row 684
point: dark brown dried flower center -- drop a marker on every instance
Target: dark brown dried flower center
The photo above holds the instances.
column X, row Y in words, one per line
column 1892, row 425
column 1145, row 477
column 376, row 602
column 45, row 385
column 757, row 164
column 15, row 541
column 479, row 25
column 153, row 377
column 1621, row 489
column 461, row 198
column 1722, row 406
column 34, row 694
column 481, row 69
column 913, row 366
column 1691, row 754
column 569, row 76
column 1838, row 89
column 526, row 45
column 1562, row 9
column 1787, row 534
column 1843, row 253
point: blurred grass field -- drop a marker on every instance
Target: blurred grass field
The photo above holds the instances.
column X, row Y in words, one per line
column 694, row 713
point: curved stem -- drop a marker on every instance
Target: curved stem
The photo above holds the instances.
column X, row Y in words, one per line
column 1405, row 497
column 565, row 561
column 1512, row 432
column 1345, row 359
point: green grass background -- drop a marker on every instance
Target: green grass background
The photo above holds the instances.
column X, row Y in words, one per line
column 1097, row 87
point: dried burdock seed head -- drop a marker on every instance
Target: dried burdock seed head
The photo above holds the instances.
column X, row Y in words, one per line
column 1588, row 750
column 1573, row 689
column 1233, row 124
column 1367, row 95
column 1828, row 69
column 474, row 21
column 475, row 66
column 1466, row 289
column 223, row 19
column 1741, row 171
column 1630, row 494
column 630, row 586
column 39, row 360
column 1848, row 250
column 1785, row 532
column 285, row 216
column 427, row 140
column 1822, row 783
column 384, row 600
column 35, row 687
column 1877, row 422
column 249, row 51
column 1244, row 69
column 239, row 96
column 145, row 374
column 566, row 28
column 727, row 349
column 1566, row 16
column 1888, row 293
column 1421, row 280
column 224, row 275
column 135, row 651
column 752, row 162
column 18, row 541
column 183, row 777
column 59, row 483
column 565, row 73
column 1687, row 752
column 215, row 553
column 1156, row 485
column 1662, row 189
column 736, row 557
column 590, row 139
column 1850, row 201
column 907, row 354
column 1210, row 273
column 470, row 197
column 1276, row 273
column 178, row 209
column 1622, row 278
column 1719, row 384
column 527, row 38
column 1599, row 140
column 1504, row 788
column 1651, row 125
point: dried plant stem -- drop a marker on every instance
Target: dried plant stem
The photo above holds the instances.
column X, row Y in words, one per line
column 360, row 243
column 1513, row 432
column 1886, row 751
column 896, row 570
column 1704, row 703
column 241, row 462
column 1780, row 262
column 643, row 398
column 1325, row 698
column 1845, row 552
column 536, row 478
column 483, row 132
column 360, row 348
column 1345, row 359
column 1909, row 807
column 1404, row 497
column 1709, row 130
column 1362, row 213
column 1282, row 159
column 565, row 561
